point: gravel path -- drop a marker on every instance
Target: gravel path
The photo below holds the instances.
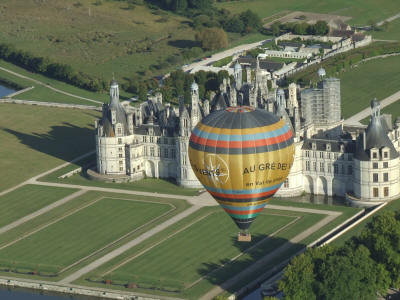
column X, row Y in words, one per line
column 129, row 245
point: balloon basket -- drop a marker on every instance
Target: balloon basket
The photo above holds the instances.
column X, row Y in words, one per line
column 244, row 237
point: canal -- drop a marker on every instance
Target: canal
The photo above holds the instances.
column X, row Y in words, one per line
column 5, row 90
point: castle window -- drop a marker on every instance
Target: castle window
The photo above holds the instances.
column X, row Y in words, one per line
column 321, row 155
column 385, row 177
column 133, row 170
column 385, row 154
column 151, row 139
column 120, row 155
column 374, row 155
column 121, row 168
column 335, row 169
column 151, row 151
column 119, row 141
column 385, row 164
column 329, row 155
column 335, row 156
column 286, row 183
column 307, row 153
column 321, row 166
column 386, row 191
column 375, row 165
column 314, row 166
column 329, row 168
column 307, row 166
column 314, row 154
column 121, row 162
column 375, row 177
column 376, row 192
column 349, row 170
column 166, row 153
column 119, row 130
column 119, row 149
column 173, row 155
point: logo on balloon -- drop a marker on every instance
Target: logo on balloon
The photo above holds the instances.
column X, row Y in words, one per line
column 216, row 169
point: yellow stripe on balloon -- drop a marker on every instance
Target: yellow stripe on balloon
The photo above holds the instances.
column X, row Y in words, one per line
column 242, row 131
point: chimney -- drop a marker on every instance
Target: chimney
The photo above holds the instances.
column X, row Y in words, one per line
column 364, row 141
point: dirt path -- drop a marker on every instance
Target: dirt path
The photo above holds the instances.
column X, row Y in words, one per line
column 48, row 86
column 390, row 19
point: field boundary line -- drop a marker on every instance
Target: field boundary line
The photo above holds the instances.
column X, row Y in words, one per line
column 296, row 219
column 173, row 208
column 41, row 211
column 155, row 244
column 49, row 224
column 116, row 252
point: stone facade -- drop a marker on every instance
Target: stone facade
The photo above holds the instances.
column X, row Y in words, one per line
column 330, row 159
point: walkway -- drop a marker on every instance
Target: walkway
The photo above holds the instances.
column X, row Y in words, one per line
column 367, row 112
column 390, row 19
column 331, row 215
column 48, row 86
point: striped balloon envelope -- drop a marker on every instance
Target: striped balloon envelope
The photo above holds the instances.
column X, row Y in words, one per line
column 241, row 155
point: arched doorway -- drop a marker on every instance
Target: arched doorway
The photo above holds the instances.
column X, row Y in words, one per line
column 150, row 169
column 308, row 185
column 322, row 186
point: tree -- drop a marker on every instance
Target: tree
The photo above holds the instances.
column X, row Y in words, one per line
column 142, row 92
column 321, row 28
column 250, row 19
column 179, row 5
column 300, row 28
column 234, row 24
column 212, row 38
column 275, row 28
column 298, row 278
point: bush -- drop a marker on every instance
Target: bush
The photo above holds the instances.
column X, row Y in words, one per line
column 212, row 38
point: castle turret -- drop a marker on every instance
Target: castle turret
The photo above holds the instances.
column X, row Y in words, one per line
column 195, row 111
column 238, row 76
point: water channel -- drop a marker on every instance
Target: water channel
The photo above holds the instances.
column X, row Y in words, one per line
column 5, row 90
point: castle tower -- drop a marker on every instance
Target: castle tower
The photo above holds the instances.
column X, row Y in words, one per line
column 376, row 162
column 195, row 112
column 292, row 100
column 280, row 98
column 238, row 76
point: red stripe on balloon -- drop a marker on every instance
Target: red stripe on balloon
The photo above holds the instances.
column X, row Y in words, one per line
column 244, row 212
column 242, row 144
column 243, row 196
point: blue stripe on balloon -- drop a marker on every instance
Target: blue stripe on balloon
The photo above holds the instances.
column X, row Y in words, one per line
column 240, row 138
column 253, row 207
column 242, row 192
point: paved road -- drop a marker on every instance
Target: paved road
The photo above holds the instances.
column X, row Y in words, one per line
column 331, row 215
column 221, row 55
column 129, row 245
column 41, row 211
column 390, row 19
column 48, row 86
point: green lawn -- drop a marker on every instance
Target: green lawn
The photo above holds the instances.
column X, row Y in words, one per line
column 28, row 199
column 36, row 139
column 376, row 78
column 203, row 247
column 361, row 11
column 392, row 32
column 42, row 93
column 81, row 233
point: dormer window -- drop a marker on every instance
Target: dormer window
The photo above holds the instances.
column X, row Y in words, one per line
column 328, row 147
column 374, row 154
column 385, row 154
column 314, row 146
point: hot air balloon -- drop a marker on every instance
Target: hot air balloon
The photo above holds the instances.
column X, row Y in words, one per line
column 242, row 155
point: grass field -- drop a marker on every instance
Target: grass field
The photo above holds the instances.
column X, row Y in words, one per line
column 81, row 233
column 361, row 11
column 27, row 199
column 36, row 139
column 95, row 39
column 42, row 93
column 376, row 78
column 392, row 32
column 196, row 236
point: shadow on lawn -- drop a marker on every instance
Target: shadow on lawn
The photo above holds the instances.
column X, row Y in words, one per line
column 65, row 142
column 223, row 276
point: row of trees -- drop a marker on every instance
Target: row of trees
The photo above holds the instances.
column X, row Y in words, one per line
column 364, row 267
column 54, row 70
column 319, row 28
